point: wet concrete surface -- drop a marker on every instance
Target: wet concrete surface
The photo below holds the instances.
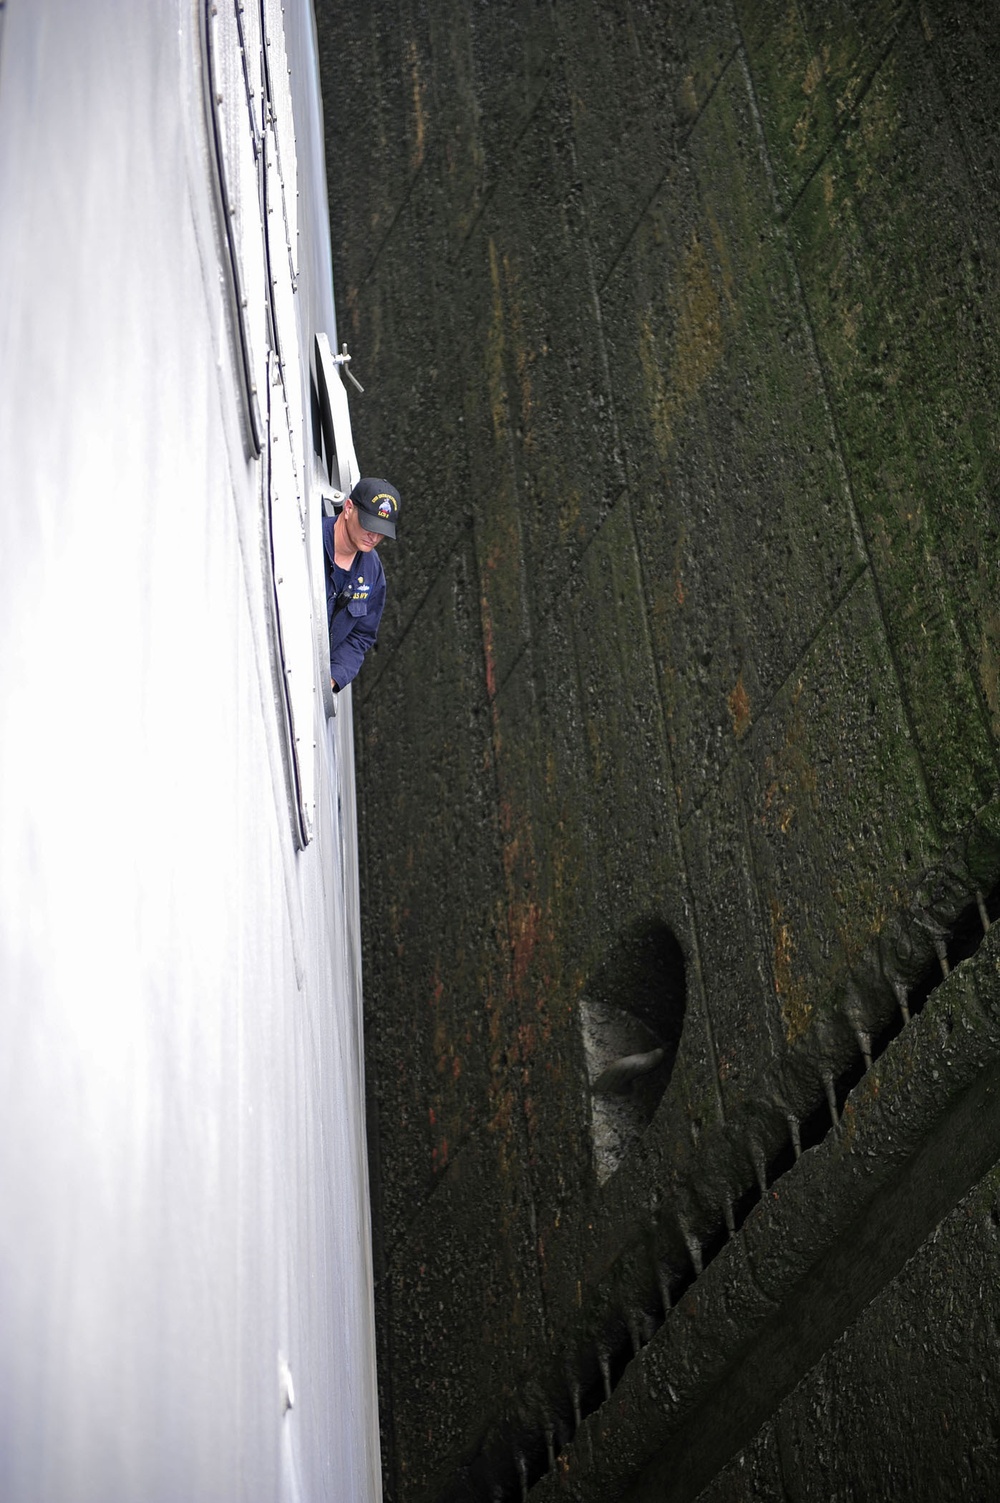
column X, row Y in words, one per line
column 679, row 330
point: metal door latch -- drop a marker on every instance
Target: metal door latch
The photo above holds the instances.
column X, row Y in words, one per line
column 344, row 361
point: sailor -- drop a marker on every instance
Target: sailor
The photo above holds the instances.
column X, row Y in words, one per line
column 355, row 579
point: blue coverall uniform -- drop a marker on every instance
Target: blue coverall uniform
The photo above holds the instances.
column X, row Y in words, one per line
column 354, row 601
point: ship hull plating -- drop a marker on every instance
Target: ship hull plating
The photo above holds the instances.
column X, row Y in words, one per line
column 185, row 1286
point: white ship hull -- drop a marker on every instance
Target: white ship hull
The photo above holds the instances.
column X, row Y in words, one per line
column 184, row 1241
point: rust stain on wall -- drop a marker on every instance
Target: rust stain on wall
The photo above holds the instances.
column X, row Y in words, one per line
column 796, row 1009
column 793, row 782
column 524, row 920
column 489, row 648
column 739, row 708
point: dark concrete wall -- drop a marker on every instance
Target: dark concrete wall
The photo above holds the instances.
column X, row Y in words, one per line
column 679, row 329
column 902, row 1405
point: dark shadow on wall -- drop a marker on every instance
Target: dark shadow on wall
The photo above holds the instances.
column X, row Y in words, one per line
column 631, row 1017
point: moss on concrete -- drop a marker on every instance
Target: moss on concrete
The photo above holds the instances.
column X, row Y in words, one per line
column 679, row 331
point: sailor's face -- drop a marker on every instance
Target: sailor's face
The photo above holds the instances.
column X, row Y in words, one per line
column 361, row 539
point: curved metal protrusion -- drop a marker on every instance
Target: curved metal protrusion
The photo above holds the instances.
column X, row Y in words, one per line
column 794, row 1134
column 344, row 361
column 604, row 1363
column 865, row 1045
column 620, row 1074
column 903, row 998
column 941, row 950
column 984, row 917
column 693, row 1246
column 522, row 1471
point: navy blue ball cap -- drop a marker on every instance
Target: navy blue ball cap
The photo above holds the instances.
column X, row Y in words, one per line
column 379, row 504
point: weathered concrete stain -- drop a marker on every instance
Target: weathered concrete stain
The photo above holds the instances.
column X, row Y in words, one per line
column 489, row 651
column 793, row 996
column 694, row 410
column 698, row 344
column 989, row 667
column 738, row 701
column 495, row 344
column 657, row 397
column 675, row 374
column 418, row 90
column 524, row 356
